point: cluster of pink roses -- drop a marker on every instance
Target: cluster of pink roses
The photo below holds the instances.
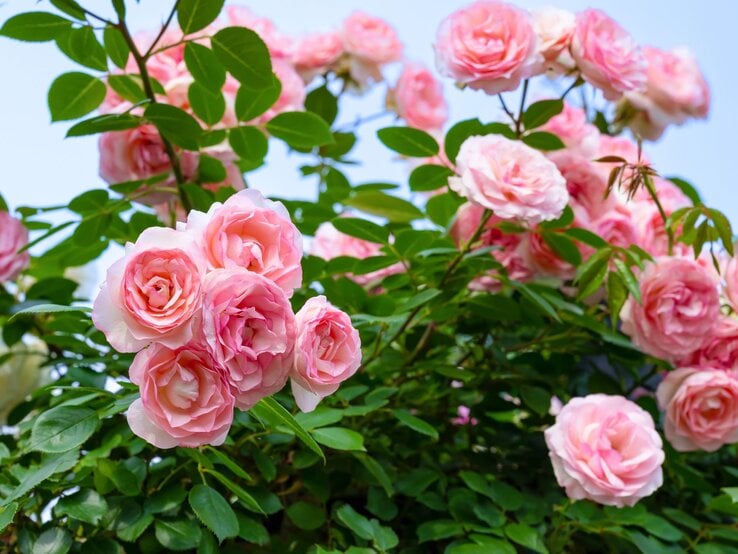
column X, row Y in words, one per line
column 13, row 237
column 207, row 308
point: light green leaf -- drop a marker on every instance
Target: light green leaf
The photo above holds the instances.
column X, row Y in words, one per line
column 300, row 129
column 74, row 94
column 339, row 438
column 244, row 55
column 35, row 26
column 194, row 15
column 408, row 141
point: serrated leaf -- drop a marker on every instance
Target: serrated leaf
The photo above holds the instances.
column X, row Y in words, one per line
column 177, row 535
column 63, row 428
column 214, row 511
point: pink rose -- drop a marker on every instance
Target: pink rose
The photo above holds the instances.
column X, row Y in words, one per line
column 371, row 38
column 13, row 237
column 279, row 45
column 249, row 328
column 720, row 351
column 730, row 289
column 254, row 233
column 463, row 417
column 152, row 293
column 327, row 352
column 488, row 45
column 701, row 408
column 618, row 227
column 572, row 127
column 510, row 178
column 292, row 96
column 675, row 91
column 317, row 53
column 186, row 399
column 585, row 183
column 605, row 448
column 554, row 28
column 607, row 56
column 679, row 310
column 418, row 98
column 543, row 260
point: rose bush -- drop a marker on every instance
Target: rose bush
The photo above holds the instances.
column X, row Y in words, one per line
column 533, row 291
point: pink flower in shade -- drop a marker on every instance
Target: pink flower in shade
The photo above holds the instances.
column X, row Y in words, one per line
column 279, row 45
column 540, row 257
column 606, row 55
column 510, row 178
column 554, row 28
column 418, row 98
column 618, row 227
column 13, row 237
column 186, row 399
column 153, row 293
column 249, row 328
column 676, row 90
column 572, row 127
column 248, row 231
column 730, row 289
column 463, row 417
column 701, row 408
column 606, row 449
column 327, row 352
column 585, row 183
column 720, row 351
column 679, row 310
column 488, row 45
column 317, row 53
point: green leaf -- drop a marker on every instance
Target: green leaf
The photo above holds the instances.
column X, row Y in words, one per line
column 204, row 66
column 89, row 202
column 322, row 102
column 722, row 224
column 490, row 544
column 251, row 103
column 116, row 47
column 269, row 410
column 63, row 428
column 305, row 515
column 540, row 112
column 591, row 274
column 563, row 247
column 48, row 309
column 35, row 26
column 223, row 459
column 415, row 423
column 378, row 203
column 536, row 299
column 526, row 536
column 377, row 470
column 194, row 15
column 37, row 474
column 70, row 7
column 429, row 177
column 457, row 134
column 81, row 45
column 128, row 87
column 199, row 198
column 104, row 123
column 543, row 140
column 587, row 237
column 441, row 208
column 85, row 505
column 300, row 129
column 439, row 529
column 339, row 438
column 177, row 535
column 214, row 511
column 245, row 497
column 207, row 104
column 536, row 398
column 7, row 514
column 500, row 493
column 74, row 94
column 629, row 279
column 408, row 141
column 353, row 520
column 244, row 55
column 361, row 229
column 210, row 170
column 53, row 541
column 249, row 143
column 175, row 125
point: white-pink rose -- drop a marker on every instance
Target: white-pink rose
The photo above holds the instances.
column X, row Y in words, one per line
column 327, row 352
column 249, row 327
column 317, row 53
column 554, row 28
column 370, row 43
column 248, row 231
column 607, row 55
column 186, row 399
column 153, row 293
column 510, row 178
column 13, row 237
column 678, row 312
column 701, row 408
column 279, row 45
column 418, row 98
column 618, row 227
column 488, row 45
column 605, row 448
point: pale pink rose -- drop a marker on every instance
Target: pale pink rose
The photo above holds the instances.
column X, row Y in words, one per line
column 730, row 288
column 249, row 327
column 330, row 243
column 488, row 45
column 572, row 127
column 292, row 96
column 463, row 417
column 679, row 311
column 418, row 98
column 540, row 257
column 720, row 351
column 317, row 53
column 510, row 178
column 606, row 55
column 279, row 45
column 676, row 90
column 618, row 227
column 249, row 231
column 186, row 399
column 508, row 250
column 585, row 183
column 554, row 28
column 327, row 352
column 13, row 237
column 371, row 39
column 606, row 449
column 153, row 293
column 701, row 408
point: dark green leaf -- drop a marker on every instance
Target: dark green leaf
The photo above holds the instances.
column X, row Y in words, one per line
column 362, row 229
column 322, row 102
column 587, row 237
column 563, row 247
column 70, row 7
column 244, row 55
column 629, row 279
column 199, row 198
column 687, row 188
column 251, row 102
column 722, row 224
column 358, row 524
column 210, row 170
column 305, row 515
column 177, row 535
column 249, row 143
column 378, row 203
column 246, row 499
column 429, row 177
column 175, row 125
column 457, row 134
column 104, row 123
column 526, row 536
column 415, row 423
column 214, row 511
column 270, row 410
column 194, row 15
column 35, row 26
column 376, row 469
column 536, row 398
column 207, row 104
column 81, row 45
column 128, row 87
column 339, row 438
column 300, row 129
column 7, row 514
column 439, row 529
column 62, row 428
column 85, row 505
column 89, row 202
column 116, row 47
column 540, row 112
column 204, row 66
column 441, row 208
column 74, row 94
column 543, row 140
column 53, row 541
column 408, row 141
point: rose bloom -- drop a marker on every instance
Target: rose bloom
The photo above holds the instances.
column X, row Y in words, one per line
column 317, row 53
column 510, row 178
column 607, row 56
column 618, row 227
column 254, row 233
column 186, row 399
column 543, row 260
column 488, row 45
column 418, row 98
column 675, row 91
column 585, row 183
column 572, row 127
column 153, row 292
column 327, row 352
column 292, row 96
column 605, row 448
column 701, row 408
column 371, row 39
column 249, row 328
column 730, row 289
column 279, row 45
column 13, row 237
column 720, row 351
column 554, row 28
column 679, row 311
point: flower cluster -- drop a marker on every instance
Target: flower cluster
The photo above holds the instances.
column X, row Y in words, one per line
column 206, row 307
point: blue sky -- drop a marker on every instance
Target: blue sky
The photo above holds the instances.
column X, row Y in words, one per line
column 39, row 167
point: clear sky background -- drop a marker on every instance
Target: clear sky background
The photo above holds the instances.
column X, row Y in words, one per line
column 39, row 167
